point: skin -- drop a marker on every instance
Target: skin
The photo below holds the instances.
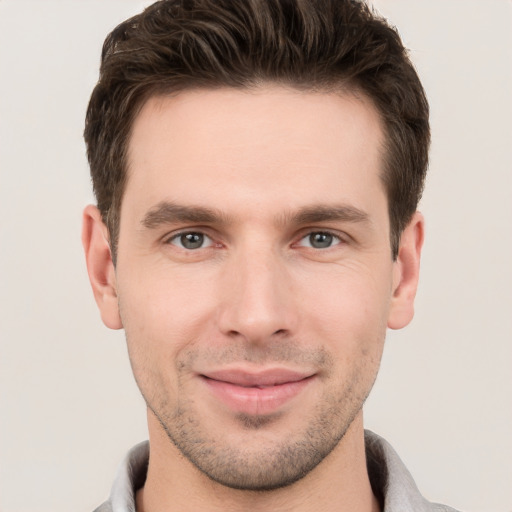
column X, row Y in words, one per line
column 277, row 170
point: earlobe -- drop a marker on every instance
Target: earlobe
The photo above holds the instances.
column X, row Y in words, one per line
column 406, row 273
column 100, row 266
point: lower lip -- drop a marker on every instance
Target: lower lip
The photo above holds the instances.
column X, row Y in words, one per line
column 254, row 400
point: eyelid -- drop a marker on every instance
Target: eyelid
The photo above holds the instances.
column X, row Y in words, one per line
column 342, row 237
column 175, row 235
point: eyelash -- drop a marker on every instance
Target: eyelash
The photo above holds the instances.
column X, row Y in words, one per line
column 333, row 235
column 177, row 236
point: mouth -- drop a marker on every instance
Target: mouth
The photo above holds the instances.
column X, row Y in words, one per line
column 256, row 393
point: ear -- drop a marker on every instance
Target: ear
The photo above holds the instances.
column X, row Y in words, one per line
column 100, row 266
column 406, row 273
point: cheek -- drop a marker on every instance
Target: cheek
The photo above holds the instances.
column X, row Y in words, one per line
column 349, row 319
column 163, row 312
column 160, row 322
column 349, row 306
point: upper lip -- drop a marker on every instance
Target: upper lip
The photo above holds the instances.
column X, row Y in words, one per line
column 267, row 377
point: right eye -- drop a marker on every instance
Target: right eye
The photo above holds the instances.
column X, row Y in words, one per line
column 191, row 240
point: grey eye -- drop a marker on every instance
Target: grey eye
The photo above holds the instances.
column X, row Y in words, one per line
column 320, row 240
column 191, row 240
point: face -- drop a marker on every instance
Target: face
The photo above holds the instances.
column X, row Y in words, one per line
column 254, row 277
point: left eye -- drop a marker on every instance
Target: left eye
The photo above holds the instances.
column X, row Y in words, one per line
column 191, row 240
column 320, row 240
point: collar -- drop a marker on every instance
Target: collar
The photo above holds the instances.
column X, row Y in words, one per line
column 391, row 481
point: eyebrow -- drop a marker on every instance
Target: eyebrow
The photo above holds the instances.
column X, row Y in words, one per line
column 325, row 213
column 167, row 212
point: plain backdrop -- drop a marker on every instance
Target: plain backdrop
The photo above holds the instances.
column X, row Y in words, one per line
column 69, row 408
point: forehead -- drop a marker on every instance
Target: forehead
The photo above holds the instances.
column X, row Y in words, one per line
column 272, row 145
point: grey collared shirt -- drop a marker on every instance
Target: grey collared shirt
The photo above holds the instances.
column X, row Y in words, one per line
column 391, row 481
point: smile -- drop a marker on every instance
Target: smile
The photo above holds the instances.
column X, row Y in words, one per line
column 256, row 393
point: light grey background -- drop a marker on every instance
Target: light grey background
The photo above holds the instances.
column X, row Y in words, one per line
column 68, row 406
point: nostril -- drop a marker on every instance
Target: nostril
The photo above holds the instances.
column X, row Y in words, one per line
column 234, row 333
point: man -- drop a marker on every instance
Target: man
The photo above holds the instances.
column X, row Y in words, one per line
column 257, row 167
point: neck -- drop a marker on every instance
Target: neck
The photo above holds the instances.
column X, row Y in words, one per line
column 340, row 482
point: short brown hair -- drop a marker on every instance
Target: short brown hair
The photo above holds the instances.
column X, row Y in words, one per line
column 317, row 45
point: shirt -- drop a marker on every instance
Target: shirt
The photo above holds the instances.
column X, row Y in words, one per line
column 391, row 482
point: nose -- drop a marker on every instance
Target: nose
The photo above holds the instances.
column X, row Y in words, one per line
column 259, row 302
